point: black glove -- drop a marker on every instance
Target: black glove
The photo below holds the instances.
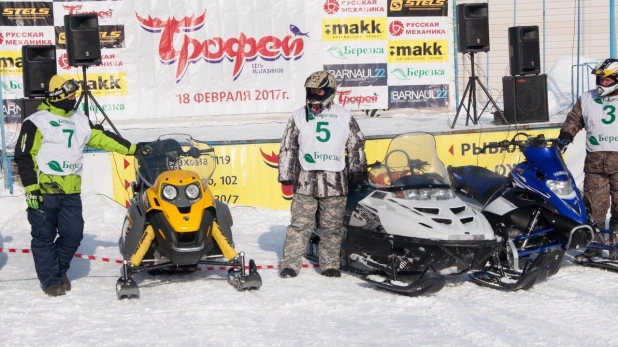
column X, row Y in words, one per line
column 287, row 183
column 143, row 148
column 356, row 178
column 564, row 139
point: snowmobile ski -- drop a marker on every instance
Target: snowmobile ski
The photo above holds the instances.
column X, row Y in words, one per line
column 609, row 262
column 423, row 284
column 242, row 281
column 126, row 287
column 545, row 265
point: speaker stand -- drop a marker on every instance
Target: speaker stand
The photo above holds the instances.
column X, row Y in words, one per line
column 473, row 80
column 86, row 95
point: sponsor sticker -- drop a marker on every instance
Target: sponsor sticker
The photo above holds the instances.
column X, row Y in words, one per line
column 354, row 7
column 101, row 9
column 404, row 51
column 362, row 98
column 354, row 29
column 418, row 96
column 10, row 62
column 20, row 36
column 22, row 13
column 416, row 8
column 103, row 84
column 417, row 28
column 355, row 52
column 110, row 36
column 11, row 110
column 359, row 75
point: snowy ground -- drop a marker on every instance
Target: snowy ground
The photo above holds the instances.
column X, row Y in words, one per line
column 576, row 307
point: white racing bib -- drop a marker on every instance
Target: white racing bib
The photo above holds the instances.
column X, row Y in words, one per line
column 63, row 142
column 322, row 140
column 601, row 119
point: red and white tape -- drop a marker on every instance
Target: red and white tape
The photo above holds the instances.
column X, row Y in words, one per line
column 116, row 261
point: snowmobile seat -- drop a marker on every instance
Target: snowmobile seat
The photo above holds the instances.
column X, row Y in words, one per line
column 482, row 182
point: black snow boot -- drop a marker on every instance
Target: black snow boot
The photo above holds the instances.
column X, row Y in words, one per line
column 287, row 273
column 66, row 284
column 331, row 273
column 55, row 290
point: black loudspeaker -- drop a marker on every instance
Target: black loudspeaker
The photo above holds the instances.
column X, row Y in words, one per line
column 472, row 28
column 29, row 106
column 524, row 55
column 39, row 65
column 525, row 98
column 83, row 40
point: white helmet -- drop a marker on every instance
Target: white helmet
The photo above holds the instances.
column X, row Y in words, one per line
column 608, row 68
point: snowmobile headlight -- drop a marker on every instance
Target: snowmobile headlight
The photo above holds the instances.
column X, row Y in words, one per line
column 560, row 188
column 192, row 191
column 425, row 194
column 170, row 192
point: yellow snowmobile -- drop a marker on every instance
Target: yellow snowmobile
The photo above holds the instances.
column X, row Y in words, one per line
column 173, row 222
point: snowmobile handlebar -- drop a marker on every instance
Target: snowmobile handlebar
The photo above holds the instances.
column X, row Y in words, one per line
column 539, row 140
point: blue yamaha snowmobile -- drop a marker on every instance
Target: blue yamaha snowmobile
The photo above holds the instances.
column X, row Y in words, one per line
column 537, row 210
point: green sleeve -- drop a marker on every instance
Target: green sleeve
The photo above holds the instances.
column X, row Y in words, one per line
column 109, row 141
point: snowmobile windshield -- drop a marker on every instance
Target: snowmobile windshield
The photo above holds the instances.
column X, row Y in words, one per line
column 411, row 162
column 175, row 152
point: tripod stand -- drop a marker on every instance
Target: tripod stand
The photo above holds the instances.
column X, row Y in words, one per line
column 87, row 94
column 471, row 87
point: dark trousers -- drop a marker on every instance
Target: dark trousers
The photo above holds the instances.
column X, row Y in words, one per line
column 57, row 230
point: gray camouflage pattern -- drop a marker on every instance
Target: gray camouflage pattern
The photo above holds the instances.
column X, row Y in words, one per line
column 320, row 183
column 304, row 208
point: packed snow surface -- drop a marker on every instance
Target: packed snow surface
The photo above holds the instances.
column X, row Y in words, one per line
column 576, row 307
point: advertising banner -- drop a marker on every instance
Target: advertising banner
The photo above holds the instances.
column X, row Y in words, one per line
column 246, row 174
column 166, row 59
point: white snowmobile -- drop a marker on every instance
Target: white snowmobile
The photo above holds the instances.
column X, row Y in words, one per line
column 405, row 228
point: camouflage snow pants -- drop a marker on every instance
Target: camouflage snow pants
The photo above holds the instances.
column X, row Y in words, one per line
column 299, row 231
column 599, row 189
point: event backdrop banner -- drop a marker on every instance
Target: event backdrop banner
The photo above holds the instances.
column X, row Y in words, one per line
column 246, row 174
column 186, row 58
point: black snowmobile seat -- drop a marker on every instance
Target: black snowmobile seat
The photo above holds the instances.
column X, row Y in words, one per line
column 489, row 182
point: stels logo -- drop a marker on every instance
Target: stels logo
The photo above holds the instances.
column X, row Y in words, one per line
column 214, row 50
column 77, row 9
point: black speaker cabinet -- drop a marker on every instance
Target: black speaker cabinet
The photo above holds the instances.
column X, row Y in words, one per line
column 472, row 28
column 29, row 106
column 83, row 40
column 524, row 55
column 525, row 98
column 39, row 65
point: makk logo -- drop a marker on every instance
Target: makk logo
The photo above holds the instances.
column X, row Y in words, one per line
column 272, row 160
column 237, row 50
column 354, row 29
column 110, row 84
column 405, row 51
column 10, row 62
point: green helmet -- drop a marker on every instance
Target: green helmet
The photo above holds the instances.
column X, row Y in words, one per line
column 321, row 87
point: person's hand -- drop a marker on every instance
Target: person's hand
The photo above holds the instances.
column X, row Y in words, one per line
column 287, row 183
column 34, row 198
column 356, row 178
column 143, row 148
column 562, row 143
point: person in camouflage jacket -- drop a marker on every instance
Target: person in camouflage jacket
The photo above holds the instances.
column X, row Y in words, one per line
column 49, row 156
column 595, row 111
column 313, row 159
